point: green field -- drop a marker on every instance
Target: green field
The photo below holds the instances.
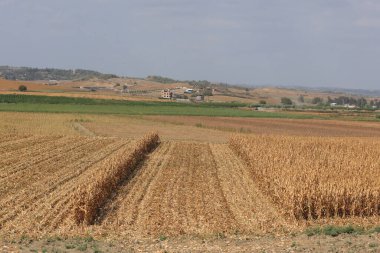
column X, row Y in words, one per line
column 34, row 103
column 31, row 103
column 159, row 109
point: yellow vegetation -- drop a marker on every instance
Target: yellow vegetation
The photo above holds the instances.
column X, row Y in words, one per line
column 312, row 177
column 91, row 197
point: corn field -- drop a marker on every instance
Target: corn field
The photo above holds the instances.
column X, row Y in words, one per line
column 74, row 185
column 312, row 177
column 112, row 171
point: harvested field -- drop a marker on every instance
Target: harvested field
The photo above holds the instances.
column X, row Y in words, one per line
column 90, row 198
column 41, row 123
column 114, row 187
column 39, row 181
column 190, row 188
column 311, row 178
column 10, row 85
column 133, row 127
column 296, row 127
column 49, row 184
column 102, row 125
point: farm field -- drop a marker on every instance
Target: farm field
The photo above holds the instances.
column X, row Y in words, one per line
column 296, row 127
column 102, row 125
column 135, row 107
column 150, row 109
column 182, row 188
column 204, row 129
column 76, row 94
column 39, row 174
column 187, row 188
column 79, row 175
column 313, row 178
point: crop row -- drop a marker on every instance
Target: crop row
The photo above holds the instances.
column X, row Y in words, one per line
column 313, row 177
column 90, row 198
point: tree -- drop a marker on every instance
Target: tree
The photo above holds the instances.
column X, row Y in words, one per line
column 361, row 102
column 22, row 88
column 263, row 102
column 301, row 99
column 207, row 92
column 286, row 101
column 316, row 100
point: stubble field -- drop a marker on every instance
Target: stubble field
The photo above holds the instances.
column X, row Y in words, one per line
column 181, row 188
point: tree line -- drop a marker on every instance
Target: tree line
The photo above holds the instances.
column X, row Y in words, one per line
column 359, row 102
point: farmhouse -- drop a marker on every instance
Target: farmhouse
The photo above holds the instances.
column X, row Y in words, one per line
column 167, row 94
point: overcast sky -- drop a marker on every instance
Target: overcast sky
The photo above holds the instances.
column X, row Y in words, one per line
column 331, row 43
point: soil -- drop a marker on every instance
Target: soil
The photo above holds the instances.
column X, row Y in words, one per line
column 295, row 243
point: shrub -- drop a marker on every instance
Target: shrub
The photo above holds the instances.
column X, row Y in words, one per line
column 286, row 101
column 317, row 100
column 22, row 88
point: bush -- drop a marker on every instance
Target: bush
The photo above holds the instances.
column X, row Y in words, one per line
column 22, row 88
column 263, row 102
column 207, row 92
column 317, row 100
column 286, row 101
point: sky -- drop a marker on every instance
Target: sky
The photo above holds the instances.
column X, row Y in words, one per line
column 311, row 43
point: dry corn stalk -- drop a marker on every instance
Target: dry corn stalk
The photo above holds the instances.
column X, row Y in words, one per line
column 89, row 199
column 314, row 177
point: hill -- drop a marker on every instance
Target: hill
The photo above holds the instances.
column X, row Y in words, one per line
column 30, row 74
column 88, row 83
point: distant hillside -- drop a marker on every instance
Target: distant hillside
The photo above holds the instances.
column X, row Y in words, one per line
column 30, row 74
column 362, row 92
column 161, row 79
column 357, row 92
